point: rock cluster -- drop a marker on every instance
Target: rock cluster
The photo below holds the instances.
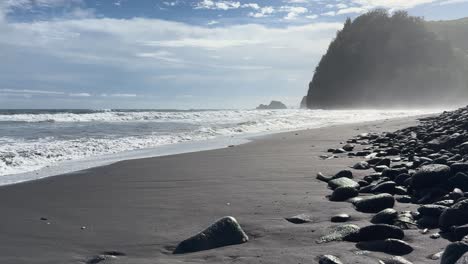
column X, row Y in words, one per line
column 425, row 165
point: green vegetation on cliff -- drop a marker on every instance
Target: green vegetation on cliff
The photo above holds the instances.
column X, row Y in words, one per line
column 383, row 60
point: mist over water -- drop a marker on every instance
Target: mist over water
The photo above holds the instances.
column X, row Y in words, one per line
column 33, row 139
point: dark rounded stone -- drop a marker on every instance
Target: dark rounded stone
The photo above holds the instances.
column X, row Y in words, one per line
column 385, row 162
column 375, row 203
column 340, row 218
column 396, row 260
column 428, row 222
column 459, row 167
column 339, row 233
column 430, row 175
column 376, row 232
column 224, row 232
column 460, row 180
column 386, row 216
column 456, row 215
column 400, row 190
column 389, row 246
column 339, row 151
column 343, row 194
column 393, row 172
column 403, row 199
column 384, row 187
column 322, row 177
column 348, row 147
column 329, row 259
column 343, row 173
column 453, row 252
column 431, row 210
column 460, row 232
column 400, row 179
column 342, row 182
column 362, row 165
column 300, row 219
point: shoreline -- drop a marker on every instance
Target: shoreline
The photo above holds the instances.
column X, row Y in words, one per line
column 144, row 207
column 65, row 167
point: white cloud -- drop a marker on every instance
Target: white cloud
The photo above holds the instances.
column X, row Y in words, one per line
column 393, row 4
column 123, row 95
column 312, row 16
column 263, row 12
column 293, row 11
column 79, row 94
column 351, row 10
column 213, row 4
column 330, row 13
column 27, row 91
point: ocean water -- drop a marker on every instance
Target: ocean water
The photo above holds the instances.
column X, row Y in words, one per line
column 31, row 140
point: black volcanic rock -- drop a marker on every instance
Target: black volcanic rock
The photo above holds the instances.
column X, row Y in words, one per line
column 224, row 232
column 273, row 105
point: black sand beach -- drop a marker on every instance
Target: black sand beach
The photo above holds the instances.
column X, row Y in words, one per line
column 144, row 208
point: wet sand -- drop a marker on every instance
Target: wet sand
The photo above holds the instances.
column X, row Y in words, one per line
column 143, row 208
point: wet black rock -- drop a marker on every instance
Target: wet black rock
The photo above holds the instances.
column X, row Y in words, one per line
column 340, row 218
column 329, row 259
column 348, row 147
column 362, row 165
column 396, row 260
column 428, row 222
column 339, row 233
column 386, row 216
column 342, row 182
column 300, row 219
column 376, row 232
column 430, row 175
column 460, row 180
column 454, row 252
column 343, row 193
column 456, row 215
column 224, row 232
column 459, row 232
column 375, row 203
column 389, row 246
column 322, row 177
column 384, row 187
column 432, row 210
column 343, row 173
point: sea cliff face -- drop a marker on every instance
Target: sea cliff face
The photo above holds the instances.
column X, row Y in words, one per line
column 382, row 60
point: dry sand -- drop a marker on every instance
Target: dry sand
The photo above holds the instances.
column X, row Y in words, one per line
column 143, row 208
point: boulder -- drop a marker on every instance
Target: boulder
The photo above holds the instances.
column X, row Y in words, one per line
column 343, row 194
column 390, row 246
column 339, row 233
column 342, row 182
column 453, row 252
column 456, row 215
column 375, row 203
column 343, row 173
column 376, row 232
column 386, row 216
column 299, row 219
column 362, row 165
column 432, row 210
column 396, row 260
column 340, row 218
column 224, row 232
column 430, row 175
column 329, row 259
column 384, row 187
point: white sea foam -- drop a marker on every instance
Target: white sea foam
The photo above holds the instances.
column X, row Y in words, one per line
column 20, row 156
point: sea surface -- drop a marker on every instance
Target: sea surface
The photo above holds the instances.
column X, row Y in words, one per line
column 31, row 140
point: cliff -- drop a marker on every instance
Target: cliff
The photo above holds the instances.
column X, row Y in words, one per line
column 382, row 60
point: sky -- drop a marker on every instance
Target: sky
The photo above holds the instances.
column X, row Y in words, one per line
column 177, row 54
